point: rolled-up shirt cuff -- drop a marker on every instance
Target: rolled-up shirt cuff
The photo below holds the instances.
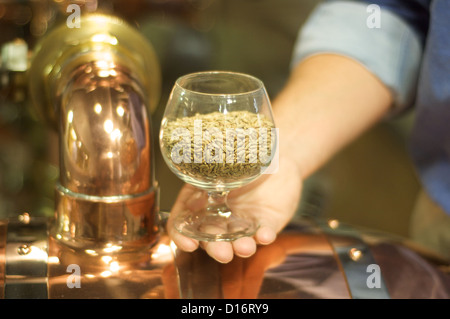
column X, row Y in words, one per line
column 391, row 50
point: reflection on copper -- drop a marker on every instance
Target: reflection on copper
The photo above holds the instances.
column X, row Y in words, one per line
column 126, row 275
column 24, row 218
column 162, row 253
column 105, row 37
column 24, row 249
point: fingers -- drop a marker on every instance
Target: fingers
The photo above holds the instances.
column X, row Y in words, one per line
column 224, row 252
column 182, row 242
column 221, row 251
column 244, row 247
column 265, row 235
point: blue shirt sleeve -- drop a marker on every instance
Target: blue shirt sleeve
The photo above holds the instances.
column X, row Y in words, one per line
column 378, row 38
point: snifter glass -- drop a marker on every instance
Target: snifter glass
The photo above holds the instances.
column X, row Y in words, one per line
column 218, row 134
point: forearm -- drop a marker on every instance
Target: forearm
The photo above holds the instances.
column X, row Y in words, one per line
column 328, row 101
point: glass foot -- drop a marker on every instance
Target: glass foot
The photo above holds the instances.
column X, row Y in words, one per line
column 217, row 226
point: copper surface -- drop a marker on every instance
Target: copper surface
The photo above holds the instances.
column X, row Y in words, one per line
column 97, row 85
column 300, row 264
column 3, row 232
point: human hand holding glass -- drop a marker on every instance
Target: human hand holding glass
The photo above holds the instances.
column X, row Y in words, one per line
column 218, row 135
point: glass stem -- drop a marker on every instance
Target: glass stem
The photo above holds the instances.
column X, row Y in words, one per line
column 217, row 203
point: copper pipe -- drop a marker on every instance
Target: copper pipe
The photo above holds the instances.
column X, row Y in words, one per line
column 97, row 85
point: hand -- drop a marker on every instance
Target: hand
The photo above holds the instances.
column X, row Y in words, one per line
column 272, row 200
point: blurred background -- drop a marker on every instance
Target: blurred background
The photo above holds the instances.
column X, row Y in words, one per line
column 371, row 183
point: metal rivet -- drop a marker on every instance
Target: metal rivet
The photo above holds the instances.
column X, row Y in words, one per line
column 25, row 218
column 24, row 249
column 333, row 223
column 355, row 254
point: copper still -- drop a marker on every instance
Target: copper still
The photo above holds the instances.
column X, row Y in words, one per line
column 97, row 86
column 311, row 259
